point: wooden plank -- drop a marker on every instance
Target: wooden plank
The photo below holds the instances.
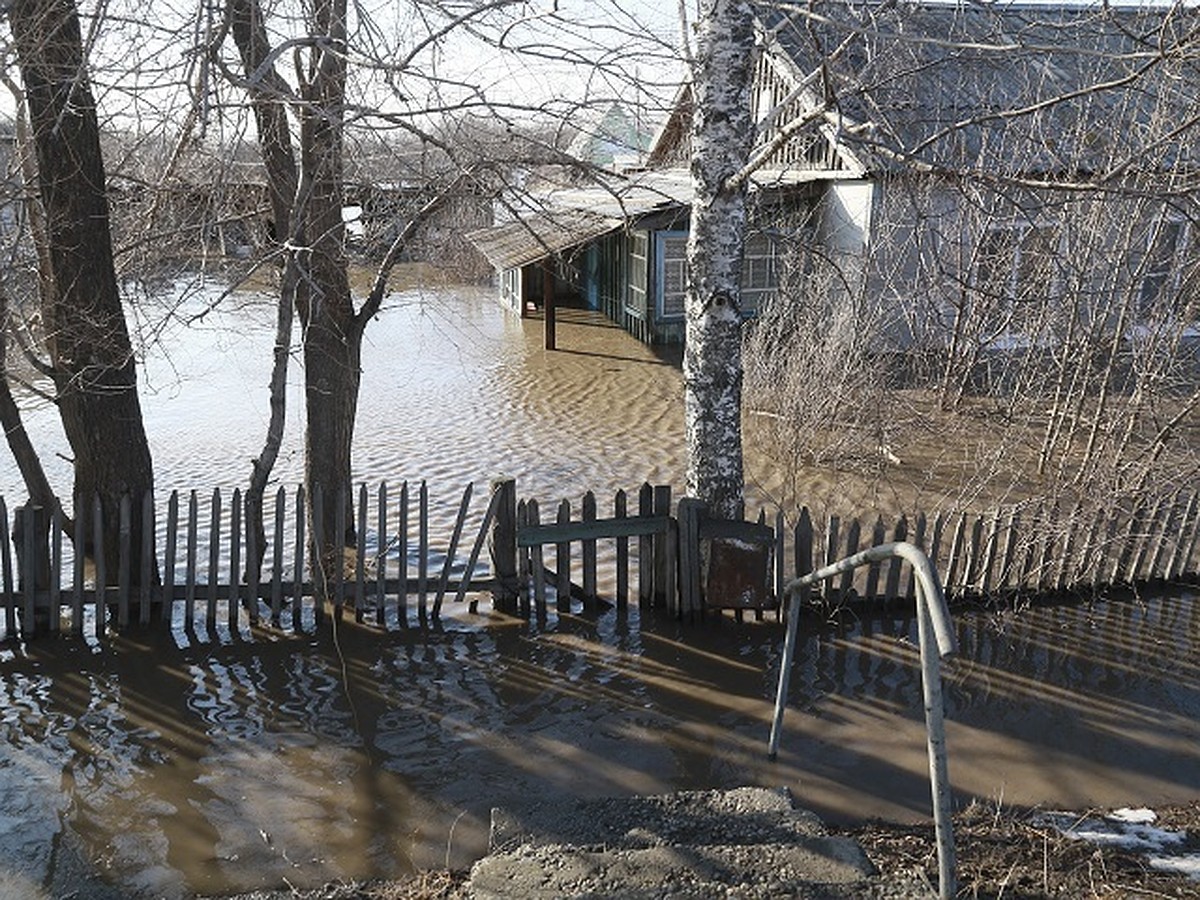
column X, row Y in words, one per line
column 664, row 550
column 190, row 561
column 1027, row 576
column 1008, row 564
column 452, row 551
column 780, row 563
column 381, row 565
column 360, row 556
column 537, row 561
column 831, row 554
column 1170, row 525
column 1188, row 567
column 100, row 567
column 954, row 563
column 28, row 566
column 935, row 547
column 298, row 567
column 891, row 587
column 645, row 546
column 214, row 558
column 320, row 597
column 146, row 579
column 670, row 587
column 1064, row 575
column 254, row 588
column 1186, row 522
column 853, row 545
column 689, row 540
column 620, row 513
column 562, row 561
column 80, row 563
column 422, row 551
column 6, row 570
column 558, row 532
column 509, row 576
column 233, row 611
column 972, row 557
column 878, row 537
column 989, row 556
column 727, row 529
column 124, row 554
column 402, row 551
column 910, row 587
column 524, row 565
column 588, row 552
column 277, row 557
column 1086, row 571
column 489, row 518
column 1142, row 546
column 1187, row 526
column 169, row 556
column 1113, row 546
column 56, row 558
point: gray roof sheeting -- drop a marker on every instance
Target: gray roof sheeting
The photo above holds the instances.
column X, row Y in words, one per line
column 938, row 83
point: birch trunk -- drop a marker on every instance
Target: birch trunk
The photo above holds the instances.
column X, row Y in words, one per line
column 722, row 136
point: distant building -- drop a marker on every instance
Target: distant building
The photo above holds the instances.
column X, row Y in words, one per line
column 935, row 155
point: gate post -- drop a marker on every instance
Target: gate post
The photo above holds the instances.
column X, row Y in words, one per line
column 502, row 545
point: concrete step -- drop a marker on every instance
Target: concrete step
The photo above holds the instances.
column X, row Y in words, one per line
column 746, row 843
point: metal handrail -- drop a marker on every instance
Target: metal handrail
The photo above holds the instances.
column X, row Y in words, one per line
column 931, row 612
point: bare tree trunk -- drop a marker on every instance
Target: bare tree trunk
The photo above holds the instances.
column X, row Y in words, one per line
column 89, row 343
column 722, row 136
column 268, row 94
column 332, row 334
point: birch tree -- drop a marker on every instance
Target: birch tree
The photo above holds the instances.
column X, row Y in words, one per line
column 722, row 137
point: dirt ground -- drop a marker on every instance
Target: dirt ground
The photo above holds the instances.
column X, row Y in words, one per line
column 1001, row 854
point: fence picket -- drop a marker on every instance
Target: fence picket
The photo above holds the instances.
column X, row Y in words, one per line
column 562, row 562
column 402, row 551
column 80, row 563
column 1178, row 564
column 100, row 559
column 853, row 534
column 27, row 566
column 214, row 559
column 422, row 550
column 645, row 547
column 537, row 561
column 146, row 579
column 235, row 558
column 6, row 569
column 891, row 588
column 360, row 556
column 459, row 521
column 621, row 511
column 588, row 553
column 56, row 529
column 298, row 566
column 381, row 566
column 276, row 560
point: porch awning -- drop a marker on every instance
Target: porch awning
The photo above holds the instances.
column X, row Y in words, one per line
column 574, row 216
column 539, row 235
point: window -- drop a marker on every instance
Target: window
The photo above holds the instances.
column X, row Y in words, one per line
column 1166, row 245
column 760, row 271
column 1014, row 276
column 639, row 250
column 671, row 269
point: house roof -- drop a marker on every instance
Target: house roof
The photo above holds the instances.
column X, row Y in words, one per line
column 999, row 87
column 568, row 217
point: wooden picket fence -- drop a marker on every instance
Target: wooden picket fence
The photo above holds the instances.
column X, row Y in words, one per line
column 399, row 575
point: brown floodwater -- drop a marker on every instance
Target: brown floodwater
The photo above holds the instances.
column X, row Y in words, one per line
column 166, row 764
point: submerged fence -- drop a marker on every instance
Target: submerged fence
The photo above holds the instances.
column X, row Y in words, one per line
column 408, row 560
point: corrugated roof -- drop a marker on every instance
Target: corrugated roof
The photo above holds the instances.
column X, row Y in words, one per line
column 569, row 217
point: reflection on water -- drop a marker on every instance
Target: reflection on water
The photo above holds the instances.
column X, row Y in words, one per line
column 169, row 764
column 269, row 761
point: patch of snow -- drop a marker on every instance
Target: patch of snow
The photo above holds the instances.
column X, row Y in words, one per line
column 1188, row 864
column 1132, row 829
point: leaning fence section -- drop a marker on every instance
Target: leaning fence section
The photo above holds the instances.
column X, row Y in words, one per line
column 1028, row 549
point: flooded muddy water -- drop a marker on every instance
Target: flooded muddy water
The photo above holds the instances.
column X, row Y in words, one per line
column 162, row 765
column 158, row 770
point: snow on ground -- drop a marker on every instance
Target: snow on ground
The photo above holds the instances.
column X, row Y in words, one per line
column 1132, row 829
